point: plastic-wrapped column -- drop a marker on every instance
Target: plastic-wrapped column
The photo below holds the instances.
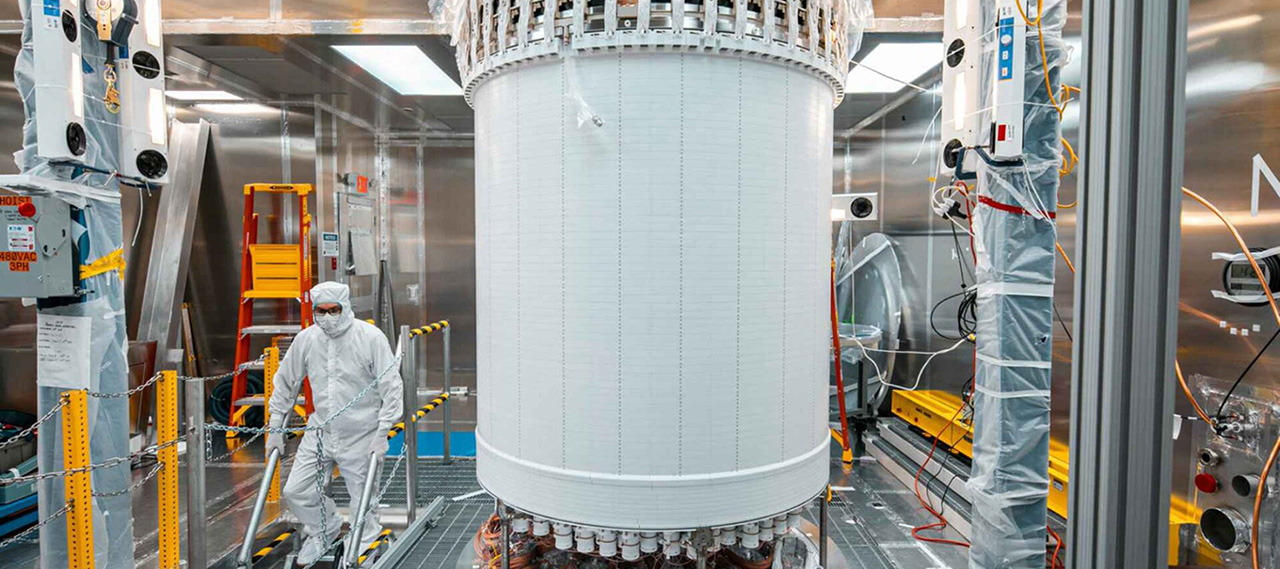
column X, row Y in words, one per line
column 652, row 354
column 1010, row 480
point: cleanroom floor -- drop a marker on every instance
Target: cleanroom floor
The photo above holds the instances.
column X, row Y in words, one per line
column 870, row 517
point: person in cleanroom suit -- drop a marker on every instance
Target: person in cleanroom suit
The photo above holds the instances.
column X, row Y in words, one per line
column 340, row 356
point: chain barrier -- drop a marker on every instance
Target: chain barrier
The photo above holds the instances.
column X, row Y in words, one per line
column 104, row 464
column 129, row 393
column 182, row 378
column 208, row 443
column 221, row 376
column 21, row 537
column 134, row 486
column 395, row 365
column 62, row 402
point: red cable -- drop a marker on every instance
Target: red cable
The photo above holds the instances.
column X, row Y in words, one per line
column 835, row 342
column 942, row 523
column 1056, row 563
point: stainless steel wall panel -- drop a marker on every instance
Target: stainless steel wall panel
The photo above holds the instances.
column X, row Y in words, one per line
column 450, row 210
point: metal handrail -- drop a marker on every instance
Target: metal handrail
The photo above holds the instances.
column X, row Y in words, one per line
column 245, row 558
column 357, row 524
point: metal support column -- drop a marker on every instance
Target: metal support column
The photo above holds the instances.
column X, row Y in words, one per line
column 409, row 374
column 167, row 456
column 197, row 520
column 1127, row 246
column 78, row 485
column 270, row 365
column 244, row 560
column 504, row 517
column 822, row 524
column 448, row 403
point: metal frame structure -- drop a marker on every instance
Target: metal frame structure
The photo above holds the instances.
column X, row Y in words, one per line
column 171, row 248
column 1133, row 125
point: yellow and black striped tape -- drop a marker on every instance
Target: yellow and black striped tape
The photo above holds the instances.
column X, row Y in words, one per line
column 429, row 328
column 384, row 538
column 265, row 551
column 422, row 412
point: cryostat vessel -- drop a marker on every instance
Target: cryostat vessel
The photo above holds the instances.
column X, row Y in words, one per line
column 653, row 254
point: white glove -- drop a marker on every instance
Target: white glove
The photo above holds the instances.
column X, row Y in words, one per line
column 378, row 446
column 275, row 441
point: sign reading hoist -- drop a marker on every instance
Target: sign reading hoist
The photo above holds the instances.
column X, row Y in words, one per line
column 35, row 257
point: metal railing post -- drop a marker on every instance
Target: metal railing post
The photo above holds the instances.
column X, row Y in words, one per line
column 78, row 485
column 167, row 437
column 448, row 384
column 361, row 512
column 271, row 364
column 409, row 375
column 245, row 559
column 197, row 522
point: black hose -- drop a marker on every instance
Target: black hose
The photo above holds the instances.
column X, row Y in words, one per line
column 218, row 405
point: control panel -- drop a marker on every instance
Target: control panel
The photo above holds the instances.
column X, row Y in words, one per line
column 1230, row 462
column 36, row 258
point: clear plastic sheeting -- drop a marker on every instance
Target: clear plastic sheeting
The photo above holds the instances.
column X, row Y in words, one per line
column 862, row 15
column 876, row 298
column 96, row 234
column 1009, row 482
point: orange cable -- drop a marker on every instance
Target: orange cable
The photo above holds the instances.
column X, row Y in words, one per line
column 1275, row 311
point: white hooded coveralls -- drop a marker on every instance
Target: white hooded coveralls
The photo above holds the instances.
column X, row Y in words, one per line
column 339, row 364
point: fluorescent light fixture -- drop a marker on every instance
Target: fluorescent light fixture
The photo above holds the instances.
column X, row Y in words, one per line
column 890, row 66
column 151, row 21
column 960, row 100
column 156, row 122
column 77, row 86
column 1223, row 26
column 402, row 67
column 236, row 108
column 196, row 95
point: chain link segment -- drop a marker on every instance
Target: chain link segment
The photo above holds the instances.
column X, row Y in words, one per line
column 129, row 393
column 22, row 536
column 116, row 461
column 62, row 402
column 134, row 486
column 395, row 365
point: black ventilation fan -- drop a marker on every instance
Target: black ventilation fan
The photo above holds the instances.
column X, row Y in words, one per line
column 146, row 65
column 69, row 27
column 77, row 142
column 152, row 164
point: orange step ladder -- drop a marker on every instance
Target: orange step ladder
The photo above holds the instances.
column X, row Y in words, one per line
column 280, row 271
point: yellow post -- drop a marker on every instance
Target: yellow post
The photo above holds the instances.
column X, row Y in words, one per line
column 269, row 367
column 78, row 485
column 166, row 435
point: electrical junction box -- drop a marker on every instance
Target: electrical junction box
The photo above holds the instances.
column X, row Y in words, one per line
column 1009, row 82
column 36, row 258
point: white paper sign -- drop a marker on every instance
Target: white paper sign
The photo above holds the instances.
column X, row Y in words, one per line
column 329, row 244
column 62, row 351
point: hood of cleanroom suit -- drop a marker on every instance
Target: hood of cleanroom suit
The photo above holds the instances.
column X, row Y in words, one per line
column 334, row 293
